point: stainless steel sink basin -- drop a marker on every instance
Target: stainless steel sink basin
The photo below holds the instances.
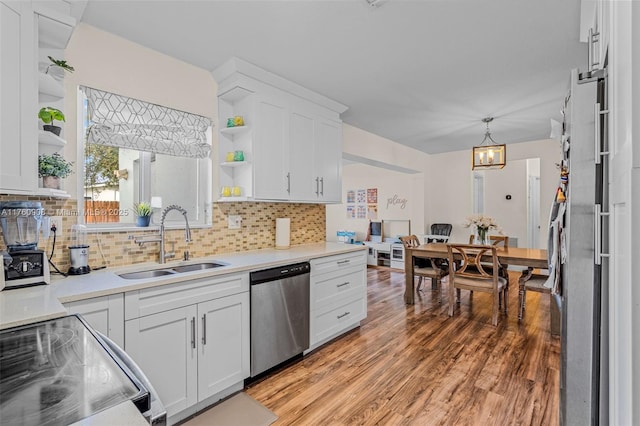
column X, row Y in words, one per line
column 198, row 266
column 146, row 274
column 140, row 275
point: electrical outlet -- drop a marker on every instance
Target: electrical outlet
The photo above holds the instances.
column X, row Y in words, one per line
column 57, row 222
column 235, row 222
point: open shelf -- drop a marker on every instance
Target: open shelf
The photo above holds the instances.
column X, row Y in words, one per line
column 48, row 143
column 53, row 193
column 50, row 89
column 231, row 199
column 235, row 94
column 234, row 130
column 234, row 163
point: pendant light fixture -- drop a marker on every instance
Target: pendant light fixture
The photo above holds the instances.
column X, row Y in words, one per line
column 488, row 155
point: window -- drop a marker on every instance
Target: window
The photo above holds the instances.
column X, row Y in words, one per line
column 134, row 151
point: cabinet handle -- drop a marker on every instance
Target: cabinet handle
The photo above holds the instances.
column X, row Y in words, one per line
column 193, row 332
column 317, row 186
column 343, row 262
column 204, row 329
column 322, row 186
column 289, row 183
column 343, row 284
column 343, row 315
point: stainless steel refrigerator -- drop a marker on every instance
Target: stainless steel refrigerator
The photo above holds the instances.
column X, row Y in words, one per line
column 582, row 287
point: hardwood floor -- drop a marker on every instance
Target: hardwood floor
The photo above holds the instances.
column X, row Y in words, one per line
column 414, row 365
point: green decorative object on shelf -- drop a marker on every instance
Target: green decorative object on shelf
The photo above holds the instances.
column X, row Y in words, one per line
column 51, row 168
column 61, row 63
column 48, row 115
column 54, row 165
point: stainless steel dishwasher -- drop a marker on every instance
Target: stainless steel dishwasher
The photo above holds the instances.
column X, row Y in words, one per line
column 279, row 315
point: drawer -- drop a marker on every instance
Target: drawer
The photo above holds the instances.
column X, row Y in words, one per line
column 152, row 300
column 332, row 288
column 330, row 323
column 338, row 262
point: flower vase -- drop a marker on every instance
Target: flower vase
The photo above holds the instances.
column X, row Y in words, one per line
column 481, row 236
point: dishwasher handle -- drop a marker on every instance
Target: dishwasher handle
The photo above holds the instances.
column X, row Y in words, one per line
column 281, row 272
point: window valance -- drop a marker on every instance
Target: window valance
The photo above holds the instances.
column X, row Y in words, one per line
column 124, row 122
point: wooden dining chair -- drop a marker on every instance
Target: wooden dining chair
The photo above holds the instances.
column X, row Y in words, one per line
column 426, row 268
column 498, row 241
column 471, row 275
column 532, row 282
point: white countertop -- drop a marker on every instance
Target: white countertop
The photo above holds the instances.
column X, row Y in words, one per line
column 33, row 304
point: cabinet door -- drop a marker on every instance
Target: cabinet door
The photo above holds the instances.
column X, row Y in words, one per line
column 18, row 96
column 328, row 158
column 105, row 314
column 164, row 346
column 223, row 358
column 304, row 186
column 271, row 178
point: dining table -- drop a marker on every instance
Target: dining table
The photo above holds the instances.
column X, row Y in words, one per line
column 530, row 258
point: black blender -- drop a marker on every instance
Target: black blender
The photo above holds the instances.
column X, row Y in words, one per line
column 24, row 264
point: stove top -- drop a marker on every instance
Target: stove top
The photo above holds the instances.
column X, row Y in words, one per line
column 58, row 372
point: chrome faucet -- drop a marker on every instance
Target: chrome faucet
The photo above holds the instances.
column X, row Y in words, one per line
column 187, row 231
column 160, row 237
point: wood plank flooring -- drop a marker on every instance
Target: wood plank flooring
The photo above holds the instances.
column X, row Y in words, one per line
column 414, row 365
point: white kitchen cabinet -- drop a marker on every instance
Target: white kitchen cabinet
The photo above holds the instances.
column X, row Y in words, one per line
column 28, row 32
column 338, row 295
column 223, row 357
column 295, row 142
column 165, row 347
column 190, row 338
column 272, row 178
column 18, row 95
column 105, row 314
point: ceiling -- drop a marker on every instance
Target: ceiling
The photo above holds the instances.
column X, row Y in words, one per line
column 421, row 73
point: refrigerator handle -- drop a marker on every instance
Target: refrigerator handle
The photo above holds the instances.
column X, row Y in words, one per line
column 598, row 234
column 599, row 153
column 593, row 38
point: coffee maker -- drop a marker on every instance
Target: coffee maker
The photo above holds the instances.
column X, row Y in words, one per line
column 24, row 264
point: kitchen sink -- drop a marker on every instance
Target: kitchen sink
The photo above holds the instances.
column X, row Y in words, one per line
column 146, row 274
column 198, row 266
column 140, row 275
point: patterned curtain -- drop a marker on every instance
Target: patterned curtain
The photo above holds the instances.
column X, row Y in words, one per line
column 124, row 122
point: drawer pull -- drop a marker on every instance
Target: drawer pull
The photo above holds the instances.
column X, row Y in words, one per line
column 343, row 262
column 343, row 315
column 343, row 284
column 193, row 332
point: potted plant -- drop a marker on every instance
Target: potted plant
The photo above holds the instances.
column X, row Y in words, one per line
column 60, row 63
column 48, row 115
column 51, row 168
column 143, row 212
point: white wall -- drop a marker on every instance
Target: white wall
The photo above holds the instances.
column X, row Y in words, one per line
column 449, row 180
column 108, row 62
column 391, row 185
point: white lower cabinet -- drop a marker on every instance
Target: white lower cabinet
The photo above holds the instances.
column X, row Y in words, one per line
column 105, row 314
column 193, row 352
column 338, row 295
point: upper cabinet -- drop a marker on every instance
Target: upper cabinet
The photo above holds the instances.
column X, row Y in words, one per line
column 30, row 32
column 289, row 147
column 18, row 94
column 594, row 30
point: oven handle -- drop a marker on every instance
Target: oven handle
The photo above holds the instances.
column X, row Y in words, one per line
column 157, row 415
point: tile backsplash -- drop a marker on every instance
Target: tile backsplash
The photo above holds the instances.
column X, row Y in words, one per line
column 118, row 249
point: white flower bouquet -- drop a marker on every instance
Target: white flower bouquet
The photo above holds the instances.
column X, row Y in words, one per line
column 482, row 224
column 481, row 221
